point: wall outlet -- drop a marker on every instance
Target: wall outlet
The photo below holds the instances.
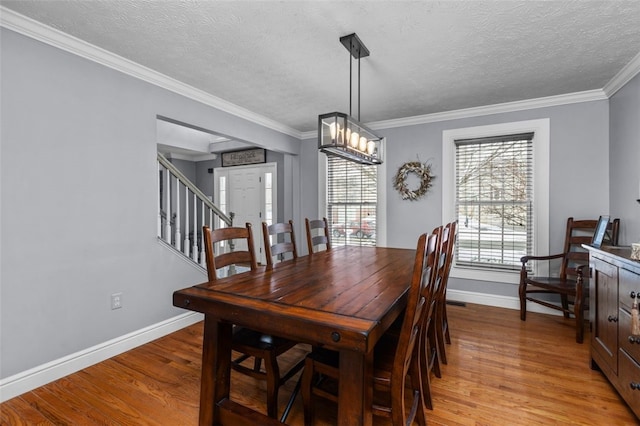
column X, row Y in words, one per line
column 116, row 301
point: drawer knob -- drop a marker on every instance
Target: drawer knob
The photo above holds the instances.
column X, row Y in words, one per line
column 635, row 386
column 632, row 295
column 612, row 318
column 633, row 339
column 335, row 336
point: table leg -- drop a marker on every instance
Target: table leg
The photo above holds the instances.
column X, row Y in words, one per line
column 215, row 381
column 355, row 393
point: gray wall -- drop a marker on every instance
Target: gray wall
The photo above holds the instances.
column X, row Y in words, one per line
column 78, row 183
column 579, row 169
column 625, row 160
column 204, row 180
column 579, row 143
column 188, row 169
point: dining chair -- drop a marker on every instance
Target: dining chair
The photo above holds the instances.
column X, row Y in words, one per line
column 321, row 228
column 396, row 366
column 228, row 256
column 250, row 343
column 429, row 356
column 449, row 235
column 568, row 282
column 279, row 239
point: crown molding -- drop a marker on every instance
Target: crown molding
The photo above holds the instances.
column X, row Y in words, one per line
column 623, row 77
column 38, row 31
column 51, row 36
column 570, row 98
column 550, row 101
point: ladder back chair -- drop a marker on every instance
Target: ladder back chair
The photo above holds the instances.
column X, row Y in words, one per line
column 277, row 247
column 429, row 357
column 429, row 354
column 321, row 228
column 244, row 258
column 396, row 366
column 569, row 283
column 449, row 235
column 248, row 342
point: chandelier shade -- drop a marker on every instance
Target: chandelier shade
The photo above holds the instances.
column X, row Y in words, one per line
column 342, row 135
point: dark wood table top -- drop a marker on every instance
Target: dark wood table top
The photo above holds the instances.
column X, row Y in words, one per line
column 344, row 298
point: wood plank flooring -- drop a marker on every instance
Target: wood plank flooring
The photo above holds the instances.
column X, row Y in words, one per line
column 501, row 371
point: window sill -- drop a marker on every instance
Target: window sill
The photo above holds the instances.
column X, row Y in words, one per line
column 507, row 277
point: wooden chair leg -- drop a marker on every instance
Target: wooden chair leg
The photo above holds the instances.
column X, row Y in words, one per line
column 307, row 379
column 425, row 379
column 579, row 314
column 273, row 383
column 445, row 324
column 565, row 305
column 432, row 347
column 522, row 292
column 257, row 362
column 398, row 414
column 440, row 337
column 421, row 381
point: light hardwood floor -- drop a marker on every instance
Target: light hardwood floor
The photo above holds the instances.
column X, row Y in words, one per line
column 501, row 371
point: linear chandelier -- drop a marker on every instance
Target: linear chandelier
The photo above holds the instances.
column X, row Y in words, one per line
column 340, row 134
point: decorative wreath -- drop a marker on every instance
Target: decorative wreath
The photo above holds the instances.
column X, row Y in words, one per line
column 422, row 170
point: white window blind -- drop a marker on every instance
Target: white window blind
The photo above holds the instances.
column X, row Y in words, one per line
column 351, row 202
column 494, row 201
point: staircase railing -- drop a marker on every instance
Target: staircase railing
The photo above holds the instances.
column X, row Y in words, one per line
column 182, row 211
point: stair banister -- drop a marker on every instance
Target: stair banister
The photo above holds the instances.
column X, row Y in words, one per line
column 185, row 236
column 166, row 163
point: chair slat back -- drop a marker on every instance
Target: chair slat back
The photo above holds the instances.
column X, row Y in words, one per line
column 230, row 235
column 420, row 292
column 581, row 232
column 287, row 245
column 321, row 228
column 434, row 260
column 445, row 253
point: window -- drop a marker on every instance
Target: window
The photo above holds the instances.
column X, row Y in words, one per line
column 494, row 201
column 222, row 198
column 497, row 189
column 268, row 197
column 351, row 202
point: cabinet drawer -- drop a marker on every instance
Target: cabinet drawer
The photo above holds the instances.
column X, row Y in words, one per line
column 629, row 282
column 629, row 382
column 627, row 341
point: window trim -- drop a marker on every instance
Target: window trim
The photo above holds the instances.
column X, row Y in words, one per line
column 541, row 143
column 381, row 210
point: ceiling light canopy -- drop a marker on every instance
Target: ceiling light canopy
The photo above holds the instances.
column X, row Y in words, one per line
column 340, row 134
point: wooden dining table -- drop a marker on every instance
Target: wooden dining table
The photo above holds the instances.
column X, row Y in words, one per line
column 343, row 299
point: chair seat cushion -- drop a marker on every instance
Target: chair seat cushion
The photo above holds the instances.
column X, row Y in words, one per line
column 255, row 339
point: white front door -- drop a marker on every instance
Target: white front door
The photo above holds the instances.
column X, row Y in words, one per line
column 251, row 196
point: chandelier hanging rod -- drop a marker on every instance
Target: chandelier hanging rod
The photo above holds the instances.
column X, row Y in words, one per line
column 357, row 50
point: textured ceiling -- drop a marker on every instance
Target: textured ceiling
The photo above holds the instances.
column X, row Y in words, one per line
column 283, row 60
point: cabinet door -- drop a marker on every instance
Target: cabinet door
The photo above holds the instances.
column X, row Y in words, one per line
column 604, row 303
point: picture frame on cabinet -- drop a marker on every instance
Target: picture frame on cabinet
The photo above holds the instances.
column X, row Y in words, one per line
column 601, row 229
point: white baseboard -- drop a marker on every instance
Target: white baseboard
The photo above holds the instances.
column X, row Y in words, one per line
column 54, row 370
column 508, row 302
